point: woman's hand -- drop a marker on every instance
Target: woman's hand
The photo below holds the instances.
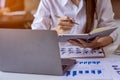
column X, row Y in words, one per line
column 96, row 43
column 64, row 24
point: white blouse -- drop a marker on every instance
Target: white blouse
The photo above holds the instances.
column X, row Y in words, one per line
column 45, row 15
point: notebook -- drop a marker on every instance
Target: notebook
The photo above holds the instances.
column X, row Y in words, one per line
column 99, row 32
column 31, row 52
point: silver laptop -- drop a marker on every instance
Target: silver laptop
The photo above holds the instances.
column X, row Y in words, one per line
column 31, row 51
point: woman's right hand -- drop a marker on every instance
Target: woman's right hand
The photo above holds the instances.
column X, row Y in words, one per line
column 64, row 24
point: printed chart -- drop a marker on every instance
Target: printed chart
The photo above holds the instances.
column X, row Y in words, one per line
column 116, row 70
column 68, row 52
column 89, row 69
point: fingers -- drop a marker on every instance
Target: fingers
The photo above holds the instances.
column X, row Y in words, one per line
column 95, row 40
column 76, row 43
column 94, row 44
column 65, row 23
column 83, row 44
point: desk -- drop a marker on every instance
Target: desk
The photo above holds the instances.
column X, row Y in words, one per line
column 16, row 21
column 14, row 76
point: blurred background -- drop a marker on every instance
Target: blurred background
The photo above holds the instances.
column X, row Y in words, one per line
column 18, row 14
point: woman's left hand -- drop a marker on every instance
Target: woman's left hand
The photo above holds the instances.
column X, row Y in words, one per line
column 96, row 43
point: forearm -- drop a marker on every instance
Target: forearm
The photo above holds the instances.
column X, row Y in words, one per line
column 104, row 41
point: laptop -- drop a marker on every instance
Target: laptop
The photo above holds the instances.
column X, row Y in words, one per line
column 31, row 52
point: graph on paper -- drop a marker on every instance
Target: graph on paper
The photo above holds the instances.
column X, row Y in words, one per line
column 89, row 69
column 68, row 52
column 83, row 72
column 84, row 68
column 116, row 70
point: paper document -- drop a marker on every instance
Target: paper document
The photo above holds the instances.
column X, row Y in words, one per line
column 115, row 66
column 75, row 51
column 89, row 69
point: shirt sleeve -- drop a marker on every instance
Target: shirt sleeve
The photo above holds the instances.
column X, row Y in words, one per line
column 42, row 18
column 105, row 16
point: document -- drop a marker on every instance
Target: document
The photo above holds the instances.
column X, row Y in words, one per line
column 94, row 69
column 77, row 52
column 99, row 32
column 115, row 66
column 89, row 69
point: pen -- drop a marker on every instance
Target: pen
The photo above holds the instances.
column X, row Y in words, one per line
column 72, row 21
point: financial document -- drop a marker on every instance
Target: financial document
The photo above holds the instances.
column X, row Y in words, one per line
column 89, row 69
column 75, row 51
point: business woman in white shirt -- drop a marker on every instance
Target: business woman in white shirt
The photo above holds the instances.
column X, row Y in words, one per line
column 89, row 14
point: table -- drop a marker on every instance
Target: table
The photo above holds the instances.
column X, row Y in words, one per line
column 16, row 76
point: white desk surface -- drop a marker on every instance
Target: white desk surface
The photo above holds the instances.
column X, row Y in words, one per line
column 16, row 76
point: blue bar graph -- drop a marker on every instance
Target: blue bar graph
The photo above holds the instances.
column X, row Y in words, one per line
column 99, row 71
column 85, row 62
column 68, row 73
column 118, row 72
column 93, row 71
column 80, row 72
column 86, row 51
column 85, row 72
column 116, row 68
column 90, row 62
column 114, row 65
column 74, row 73
column 81, row 62
column 76, row 50
column 98, row 62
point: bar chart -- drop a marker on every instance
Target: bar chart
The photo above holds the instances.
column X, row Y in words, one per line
column 86, row 69
column 83, row 72
column 68, row 52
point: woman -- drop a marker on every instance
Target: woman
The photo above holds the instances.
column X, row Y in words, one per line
column 61, row 15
